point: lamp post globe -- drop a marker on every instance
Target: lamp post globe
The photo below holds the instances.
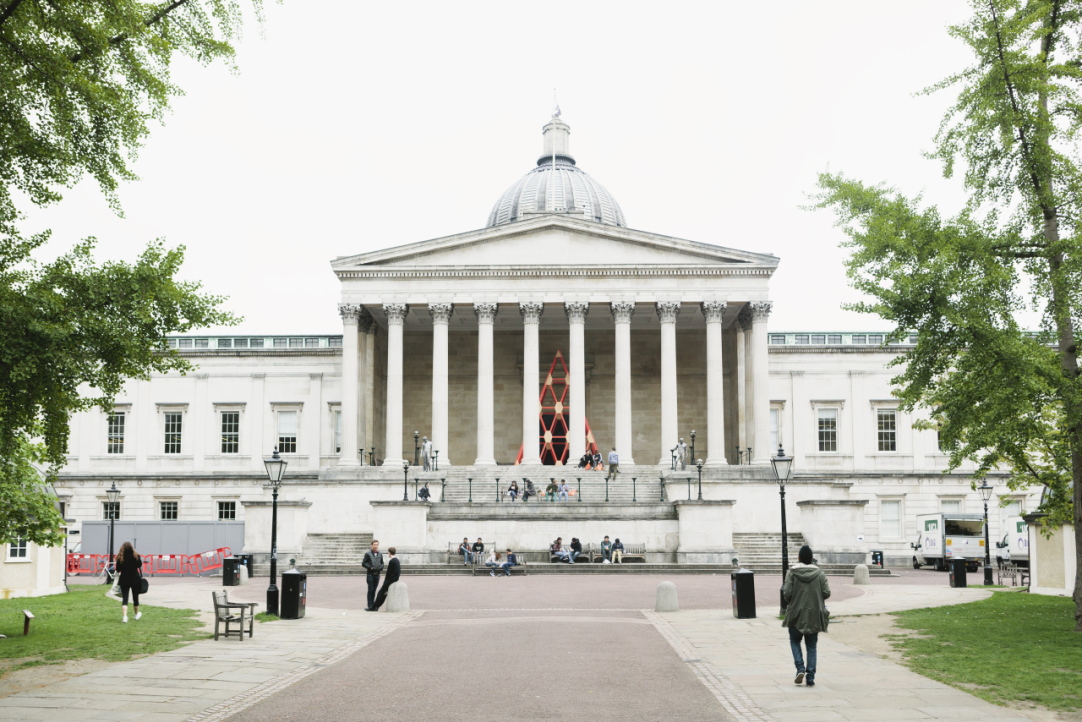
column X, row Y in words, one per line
column 276, row 469
column 986, row 493
column 783, row 467
column 405, row 480
column 699, row 464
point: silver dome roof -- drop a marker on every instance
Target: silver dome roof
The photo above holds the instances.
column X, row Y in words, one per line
column 556, row 185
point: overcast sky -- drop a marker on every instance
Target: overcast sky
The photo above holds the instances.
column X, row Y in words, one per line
column 354, row 126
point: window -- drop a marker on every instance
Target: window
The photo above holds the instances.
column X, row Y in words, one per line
column 255, row 343
column 227, row 510
column 202, row 343
column 17, row 549
column 819, row 338
column 950, row 506
column 888, row 429
column 230, row 432
column 338, row 432
column 828, row 429
column 876, row 339
column 225, row 343
column 913, row 339
column 281, row 342
column 311, row 343
column 172, row 343
column 801, row 338
column 173, row 427
column 296, row 343
column 890, row 520
column 834, row 338
column 110, row 510
column 1013, row 508
column 115, row 444
column 778, row 340
column 167, row 510
column 334, row 342
column 775, row 429
column 240, row 343
column 859, row 338
column 185, row 343
column 63, row 508
column 287, row 432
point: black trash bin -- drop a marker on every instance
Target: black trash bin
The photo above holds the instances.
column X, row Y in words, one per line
column 877, row 559
column 231, row 572
column 246, row 560
column 743, row 594
column 958, row 572
column 294, row 592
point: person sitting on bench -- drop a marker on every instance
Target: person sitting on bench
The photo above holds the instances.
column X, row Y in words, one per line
column 606, row 551
column 617, row 552
column 492, row 561
column 464, row 550
column 512, row 560
column 576, row 549
column 556, row 549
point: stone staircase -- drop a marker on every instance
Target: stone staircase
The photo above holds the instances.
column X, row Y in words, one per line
column 763, row 551
column 490, row 485
column 333, row 550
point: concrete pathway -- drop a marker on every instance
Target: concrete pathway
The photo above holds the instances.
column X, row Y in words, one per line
column 520, row 648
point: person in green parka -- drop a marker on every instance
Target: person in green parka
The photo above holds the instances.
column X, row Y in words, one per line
column 805, row 592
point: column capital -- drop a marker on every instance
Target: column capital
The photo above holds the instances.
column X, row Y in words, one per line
column 760, row 310
column 531, row 311
column 349, row 312
column 744, row 318
column 441, row 312
column 576, row 311
column 622, row 311
column 396, row 313
column 485, row 311
column 364, row 320
column 667, row 311
column 714, row 311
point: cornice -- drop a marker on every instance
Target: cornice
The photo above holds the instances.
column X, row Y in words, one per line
column 645, row 271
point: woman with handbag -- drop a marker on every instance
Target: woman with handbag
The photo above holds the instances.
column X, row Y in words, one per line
column 128, row 566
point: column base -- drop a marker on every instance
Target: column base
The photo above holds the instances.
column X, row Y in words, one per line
column 393, row 462
column 760, row 462
column 348, row 463
column 716, row 462
column 484, row 462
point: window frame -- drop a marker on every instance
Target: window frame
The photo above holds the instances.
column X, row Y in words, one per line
column 173, row 440
column 111, row 434
column 105, row 511
column 220, row 503
column 820, row 431
column 229, row 438
column 880, row 431
column 287, row 408
column 174, row 509
column 900, row 501
column 23, row 546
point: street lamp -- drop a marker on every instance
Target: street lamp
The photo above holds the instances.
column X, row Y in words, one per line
column 405, row 479
column 783, row 466
column 416, row 450
column 113, row 494
column 700, row 465
column 693, row 443
column 276, row 469
column 986, row 494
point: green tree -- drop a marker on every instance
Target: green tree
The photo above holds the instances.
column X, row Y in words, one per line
column 999, row 394
column 80, row 83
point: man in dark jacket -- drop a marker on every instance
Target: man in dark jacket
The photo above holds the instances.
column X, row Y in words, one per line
column 576, row 549
column 373, row 565
column 478, row 547
column 806, row 615
column 394, row 570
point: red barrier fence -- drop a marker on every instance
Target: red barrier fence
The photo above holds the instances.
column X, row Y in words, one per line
column 154, row 563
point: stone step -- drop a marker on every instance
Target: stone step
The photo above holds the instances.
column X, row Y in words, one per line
column 262, row 571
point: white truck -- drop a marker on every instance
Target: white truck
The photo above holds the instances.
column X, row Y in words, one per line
column 1014, row 547
column 944, row 537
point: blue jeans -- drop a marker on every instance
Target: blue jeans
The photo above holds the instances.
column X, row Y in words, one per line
column 574, row 555
column 466, row 556
column 493, row 565
column 563, row 496
column 810, row 641
column 512, row 494
column 506, row 566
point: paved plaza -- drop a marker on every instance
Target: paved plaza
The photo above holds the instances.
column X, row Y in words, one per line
column 544, row 647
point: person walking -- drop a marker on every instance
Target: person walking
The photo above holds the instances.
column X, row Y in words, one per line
column 614, row 464
column 129, row 566
column 424, row 493
column 805, row 594
column 564, row 491
column 606, row 551
column 617, row 552
column 373, row 565
column 394, row 571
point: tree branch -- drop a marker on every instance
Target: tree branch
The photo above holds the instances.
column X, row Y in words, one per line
column 9, row 11
column 149, row 22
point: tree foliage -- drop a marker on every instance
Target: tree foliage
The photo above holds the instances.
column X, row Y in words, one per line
column 999, row 394
column 81, row 82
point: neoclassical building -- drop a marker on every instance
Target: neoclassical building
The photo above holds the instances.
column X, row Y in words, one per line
column 514, row 348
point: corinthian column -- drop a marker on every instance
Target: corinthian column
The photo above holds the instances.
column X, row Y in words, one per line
column 396, row 317
column 760, row 374
column 531, row 319
column 667, row 313
column 576, row 433
column 622, row 312
column 714, row 311
column 364, row 323
column 369, row 382
column 350, row 374
column 441, row 318
column 486, row 315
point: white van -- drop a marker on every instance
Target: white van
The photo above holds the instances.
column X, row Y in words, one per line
column 1014, row 547
column 944, row 537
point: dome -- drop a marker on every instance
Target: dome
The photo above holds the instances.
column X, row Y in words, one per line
column 556, row 185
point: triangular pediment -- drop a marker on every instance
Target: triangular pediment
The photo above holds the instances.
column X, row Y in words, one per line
column 554, row 241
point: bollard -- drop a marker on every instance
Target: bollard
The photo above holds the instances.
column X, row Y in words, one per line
column 860, row 574
column 398, row 598
column 633, row 499
column 666, row 598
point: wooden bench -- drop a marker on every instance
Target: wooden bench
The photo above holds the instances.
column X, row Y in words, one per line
column 1007, row 571
column 27, row 616
column 520, row 566
column 453, row 557
column 634, row 551
column 222, row 613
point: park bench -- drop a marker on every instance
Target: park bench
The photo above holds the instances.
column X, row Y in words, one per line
column 1008, row 571
column 453, row 557
column 27, row 616
column 585, row 555
column 520, row 566
column 223, row 614
column 634, row 552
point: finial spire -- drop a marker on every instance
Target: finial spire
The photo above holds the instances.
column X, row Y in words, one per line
column 556, row 147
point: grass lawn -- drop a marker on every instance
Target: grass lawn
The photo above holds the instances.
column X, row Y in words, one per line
column 84, row 624
column 1008, row 648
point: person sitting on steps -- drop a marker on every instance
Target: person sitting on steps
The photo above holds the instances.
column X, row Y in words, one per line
column 550, row 490
column 599, row 465
column 585, row 461
column 528, row 491
column 512, row 491
column 564, row 491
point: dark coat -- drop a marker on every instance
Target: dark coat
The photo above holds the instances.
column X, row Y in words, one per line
column 805, row 592
column 394, row 571
column 373, row 563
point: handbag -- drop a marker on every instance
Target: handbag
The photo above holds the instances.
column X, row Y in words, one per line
column 144, row 585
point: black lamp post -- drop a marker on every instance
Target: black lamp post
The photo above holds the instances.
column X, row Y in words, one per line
column 416, row 450
column 276, row 469
column 700, row 465
column 986, row 494
column 435, row 460
column 693, row 443
column 113, row 494
column 783, row 466
column 405, row 480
